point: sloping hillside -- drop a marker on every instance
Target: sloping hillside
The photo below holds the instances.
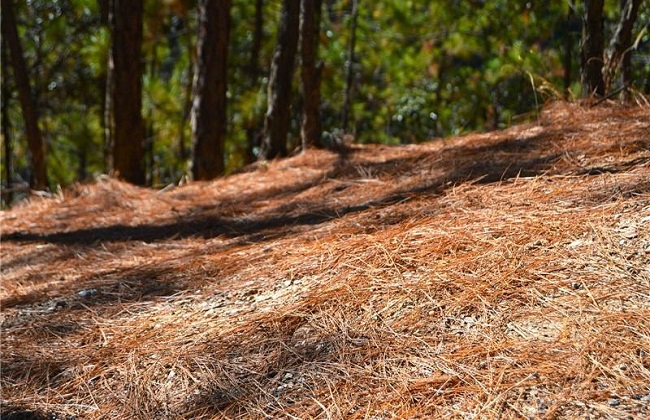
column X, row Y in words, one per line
column 500, row 275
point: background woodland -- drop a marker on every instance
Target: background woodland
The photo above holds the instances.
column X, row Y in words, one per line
column 157, row 91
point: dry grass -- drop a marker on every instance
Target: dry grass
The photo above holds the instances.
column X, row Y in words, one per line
column 502, row 275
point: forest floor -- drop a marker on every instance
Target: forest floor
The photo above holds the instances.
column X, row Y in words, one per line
column 496, row 275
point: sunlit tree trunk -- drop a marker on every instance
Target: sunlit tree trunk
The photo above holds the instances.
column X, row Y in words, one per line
column 592, row 49
column 349, row 66
column 210, row 84
column 276, row 122
column 310, row 16
column 33, row 132
column 127, row 151
column 619, row 55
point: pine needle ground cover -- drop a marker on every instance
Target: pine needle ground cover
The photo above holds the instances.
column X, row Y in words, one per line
column 498, row 275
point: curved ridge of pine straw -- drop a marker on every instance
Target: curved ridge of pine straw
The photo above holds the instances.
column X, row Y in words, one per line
column 497, row 275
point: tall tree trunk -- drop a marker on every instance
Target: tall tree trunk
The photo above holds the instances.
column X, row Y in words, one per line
column 104, row 11
column 252, row 125
column 187, row 107
column 349, row 66
column 33, row 132
column 127, row 150
column 276, row 122
column 4, row 111
column 310, row 16
column 618, row 53
column 568, row 49
column 106, row 86
column 592, row 49
column 149, row 130
column 109, row 122
column 256, row 45
column 209, row 120
column 6, row 141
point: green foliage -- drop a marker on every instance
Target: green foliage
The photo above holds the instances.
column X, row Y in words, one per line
column 422, row 70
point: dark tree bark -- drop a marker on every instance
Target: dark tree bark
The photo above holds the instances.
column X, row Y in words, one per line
column 256, row 45
column 106, row 84
column 104, row 7
column 349, row 66
column 127, row 151
column 276, row 122
column 252, row 125
column 33, row 132
column 187, row 107
column 592, row 46
column 149, row 129
column 618, row 53
column 210, row 84
column 4, row 111
column 310, row 16
column 568, row 49
column 107, row 115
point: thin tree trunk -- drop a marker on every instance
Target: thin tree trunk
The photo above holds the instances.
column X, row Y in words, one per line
column 104, row 11
column 6, row 139
column 108, row 112
column 349, row 66
column 618, row 53
column 256, row 45
column 276, row 122
column 6, row 136
column 149, row 126
column 187, row 107
column 310, row 16
column 252, row 126
column 127, row 153
column 209, row 120
column 592, row 49
column 106, row 86
column 568, row 49
column 33, row 132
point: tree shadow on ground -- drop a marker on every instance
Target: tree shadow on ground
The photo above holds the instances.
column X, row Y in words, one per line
column 511, row 157
column 122, row 285
column 283, row 348
column 506, row 158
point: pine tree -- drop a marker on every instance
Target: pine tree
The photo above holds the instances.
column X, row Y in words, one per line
column 34, row 137
column 276, row 122
column 310, row 15
column 210, row 84
column 592, row 46
column 127, row 151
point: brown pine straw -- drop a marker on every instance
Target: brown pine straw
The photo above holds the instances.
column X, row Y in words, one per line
column 499, row 275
